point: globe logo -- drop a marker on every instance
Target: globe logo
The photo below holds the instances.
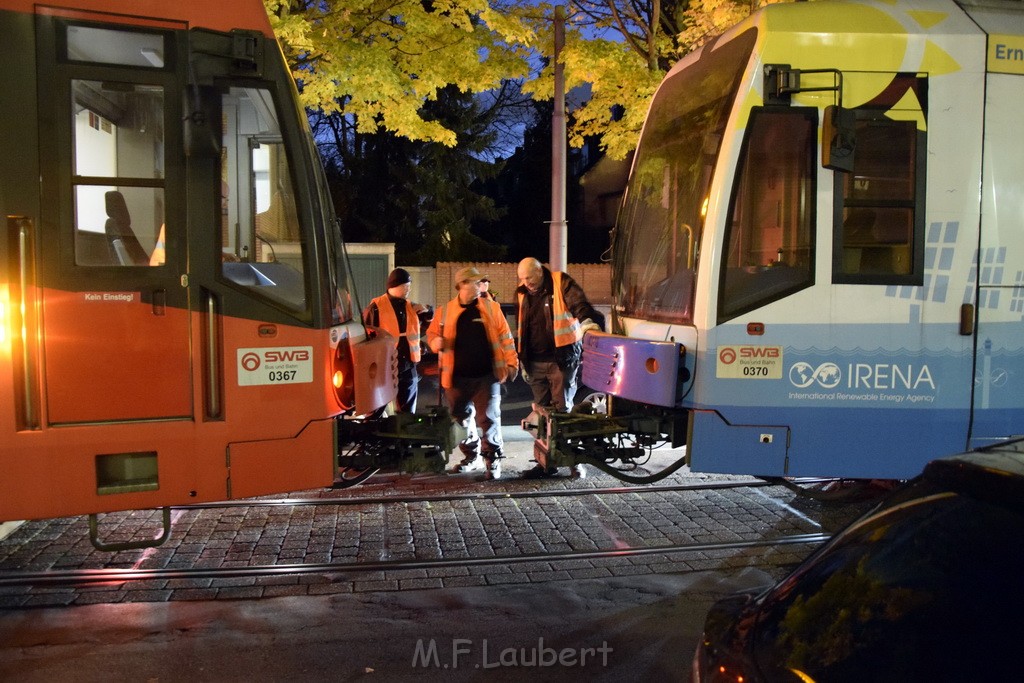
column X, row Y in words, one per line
column 827, row 375
column 250, row 361
column 727, row 356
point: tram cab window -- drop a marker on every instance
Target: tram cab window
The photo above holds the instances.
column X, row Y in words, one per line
column 262, row 242
column 879, row 219
column 660, row 226
column 118, row 173
column 769, row 243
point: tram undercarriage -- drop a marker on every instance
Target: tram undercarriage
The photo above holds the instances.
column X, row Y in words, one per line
column 620, row 445
column 403, row 442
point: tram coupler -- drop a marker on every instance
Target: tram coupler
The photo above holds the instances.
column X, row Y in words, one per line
column 404, row 442
column 616, row 444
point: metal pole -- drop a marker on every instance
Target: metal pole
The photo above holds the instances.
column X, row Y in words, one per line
column 558, row 238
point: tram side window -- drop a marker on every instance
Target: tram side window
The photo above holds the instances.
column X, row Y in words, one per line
column 262, row 241
column 879, row 219
column 118, row 173
column 769, row 250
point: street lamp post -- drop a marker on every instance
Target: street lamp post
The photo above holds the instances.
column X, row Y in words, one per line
column 558, row 238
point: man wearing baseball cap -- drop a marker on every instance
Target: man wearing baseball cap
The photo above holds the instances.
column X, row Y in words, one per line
column 476, row 355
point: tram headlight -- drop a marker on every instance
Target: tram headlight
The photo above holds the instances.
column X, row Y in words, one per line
column 343, row 375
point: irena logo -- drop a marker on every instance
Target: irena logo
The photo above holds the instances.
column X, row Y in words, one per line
column 802, row 375
column 250, row 361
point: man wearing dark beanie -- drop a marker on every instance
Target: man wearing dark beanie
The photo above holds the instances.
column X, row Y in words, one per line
column 396, row 315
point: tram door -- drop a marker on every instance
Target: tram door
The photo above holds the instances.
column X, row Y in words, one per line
column 1000, row 288
column 114, row 299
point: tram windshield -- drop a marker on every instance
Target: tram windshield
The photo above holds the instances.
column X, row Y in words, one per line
column 263, row 242
column 657, row 235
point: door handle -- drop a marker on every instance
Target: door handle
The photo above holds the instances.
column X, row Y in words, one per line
column 160, row 302
column 967, row 320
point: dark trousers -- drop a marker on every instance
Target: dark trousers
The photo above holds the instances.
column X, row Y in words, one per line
column 552, row 386
column 408, row 387
column 466, row 397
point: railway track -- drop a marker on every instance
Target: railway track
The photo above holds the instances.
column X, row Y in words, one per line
column 83, row 577
column 481, row 495
column 616, row 537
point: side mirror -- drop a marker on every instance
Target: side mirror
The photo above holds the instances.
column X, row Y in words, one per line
column 838, row 139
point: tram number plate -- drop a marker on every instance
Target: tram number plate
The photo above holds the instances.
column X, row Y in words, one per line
column 276, row 365
column 749, row 362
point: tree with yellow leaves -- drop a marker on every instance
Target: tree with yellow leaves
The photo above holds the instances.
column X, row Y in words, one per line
column 380, row 61
column 623, row 49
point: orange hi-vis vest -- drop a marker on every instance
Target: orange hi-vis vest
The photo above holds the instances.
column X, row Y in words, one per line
column 566, row 327
column 389, row 321
column 503, row 351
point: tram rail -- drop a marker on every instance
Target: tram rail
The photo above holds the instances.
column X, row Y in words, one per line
column 81, row 577
column 439, row 538
column 482, row 495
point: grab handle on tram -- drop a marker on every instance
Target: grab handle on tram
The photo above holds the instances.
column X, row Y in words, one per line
column 23, row 319
column 212, row 379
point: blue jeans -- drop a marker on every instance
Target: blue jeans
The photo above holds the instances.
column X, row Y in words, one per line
column 464, row 397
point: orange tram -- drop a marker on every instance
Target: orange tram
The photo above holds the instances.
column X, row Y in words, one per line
column 175, row 318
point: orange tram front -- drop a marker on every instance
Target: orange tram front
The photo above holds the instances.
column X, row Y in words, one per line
column 175, row 324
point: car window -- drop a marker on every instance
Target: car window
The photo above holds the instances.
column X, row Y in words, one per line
column 928, row 589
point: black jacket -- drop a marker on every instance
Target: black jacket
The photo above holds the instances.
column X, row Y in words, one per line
column 575, row 302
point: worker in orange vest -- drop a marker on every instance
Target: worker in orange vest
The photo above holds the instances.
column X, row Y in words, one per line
column 399, row 317
column 553, row 315
column 476, row 355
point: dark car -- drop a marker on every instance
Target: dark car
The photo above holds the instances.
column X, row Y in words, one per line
column 927, row 586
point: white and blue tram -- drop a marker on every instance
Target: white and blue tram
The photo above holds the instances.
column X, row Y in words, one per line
column 818, row 267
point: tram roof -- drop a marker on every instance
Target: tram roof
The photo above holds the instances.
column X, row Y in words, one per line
column 222, row 15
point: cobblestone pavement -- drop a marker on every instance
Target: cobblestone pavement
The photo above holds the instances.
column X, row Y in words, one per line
column 363, row 538
column 520, row 537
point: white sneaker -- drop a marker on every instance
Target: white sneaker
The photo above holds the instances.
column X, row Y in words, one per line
column 579, row 471
column 473, row 463
column 494, row 469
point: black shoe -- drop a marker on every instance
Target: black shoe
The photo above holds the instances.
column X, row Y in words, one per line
column 540, row 472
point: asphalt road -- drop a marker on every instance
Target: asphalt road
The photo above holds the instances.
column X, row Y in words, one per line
column 616, row 629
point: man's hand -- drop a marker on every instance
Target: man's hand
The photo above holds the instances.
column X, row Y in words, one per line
column 589, row 325
column 513, row 372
